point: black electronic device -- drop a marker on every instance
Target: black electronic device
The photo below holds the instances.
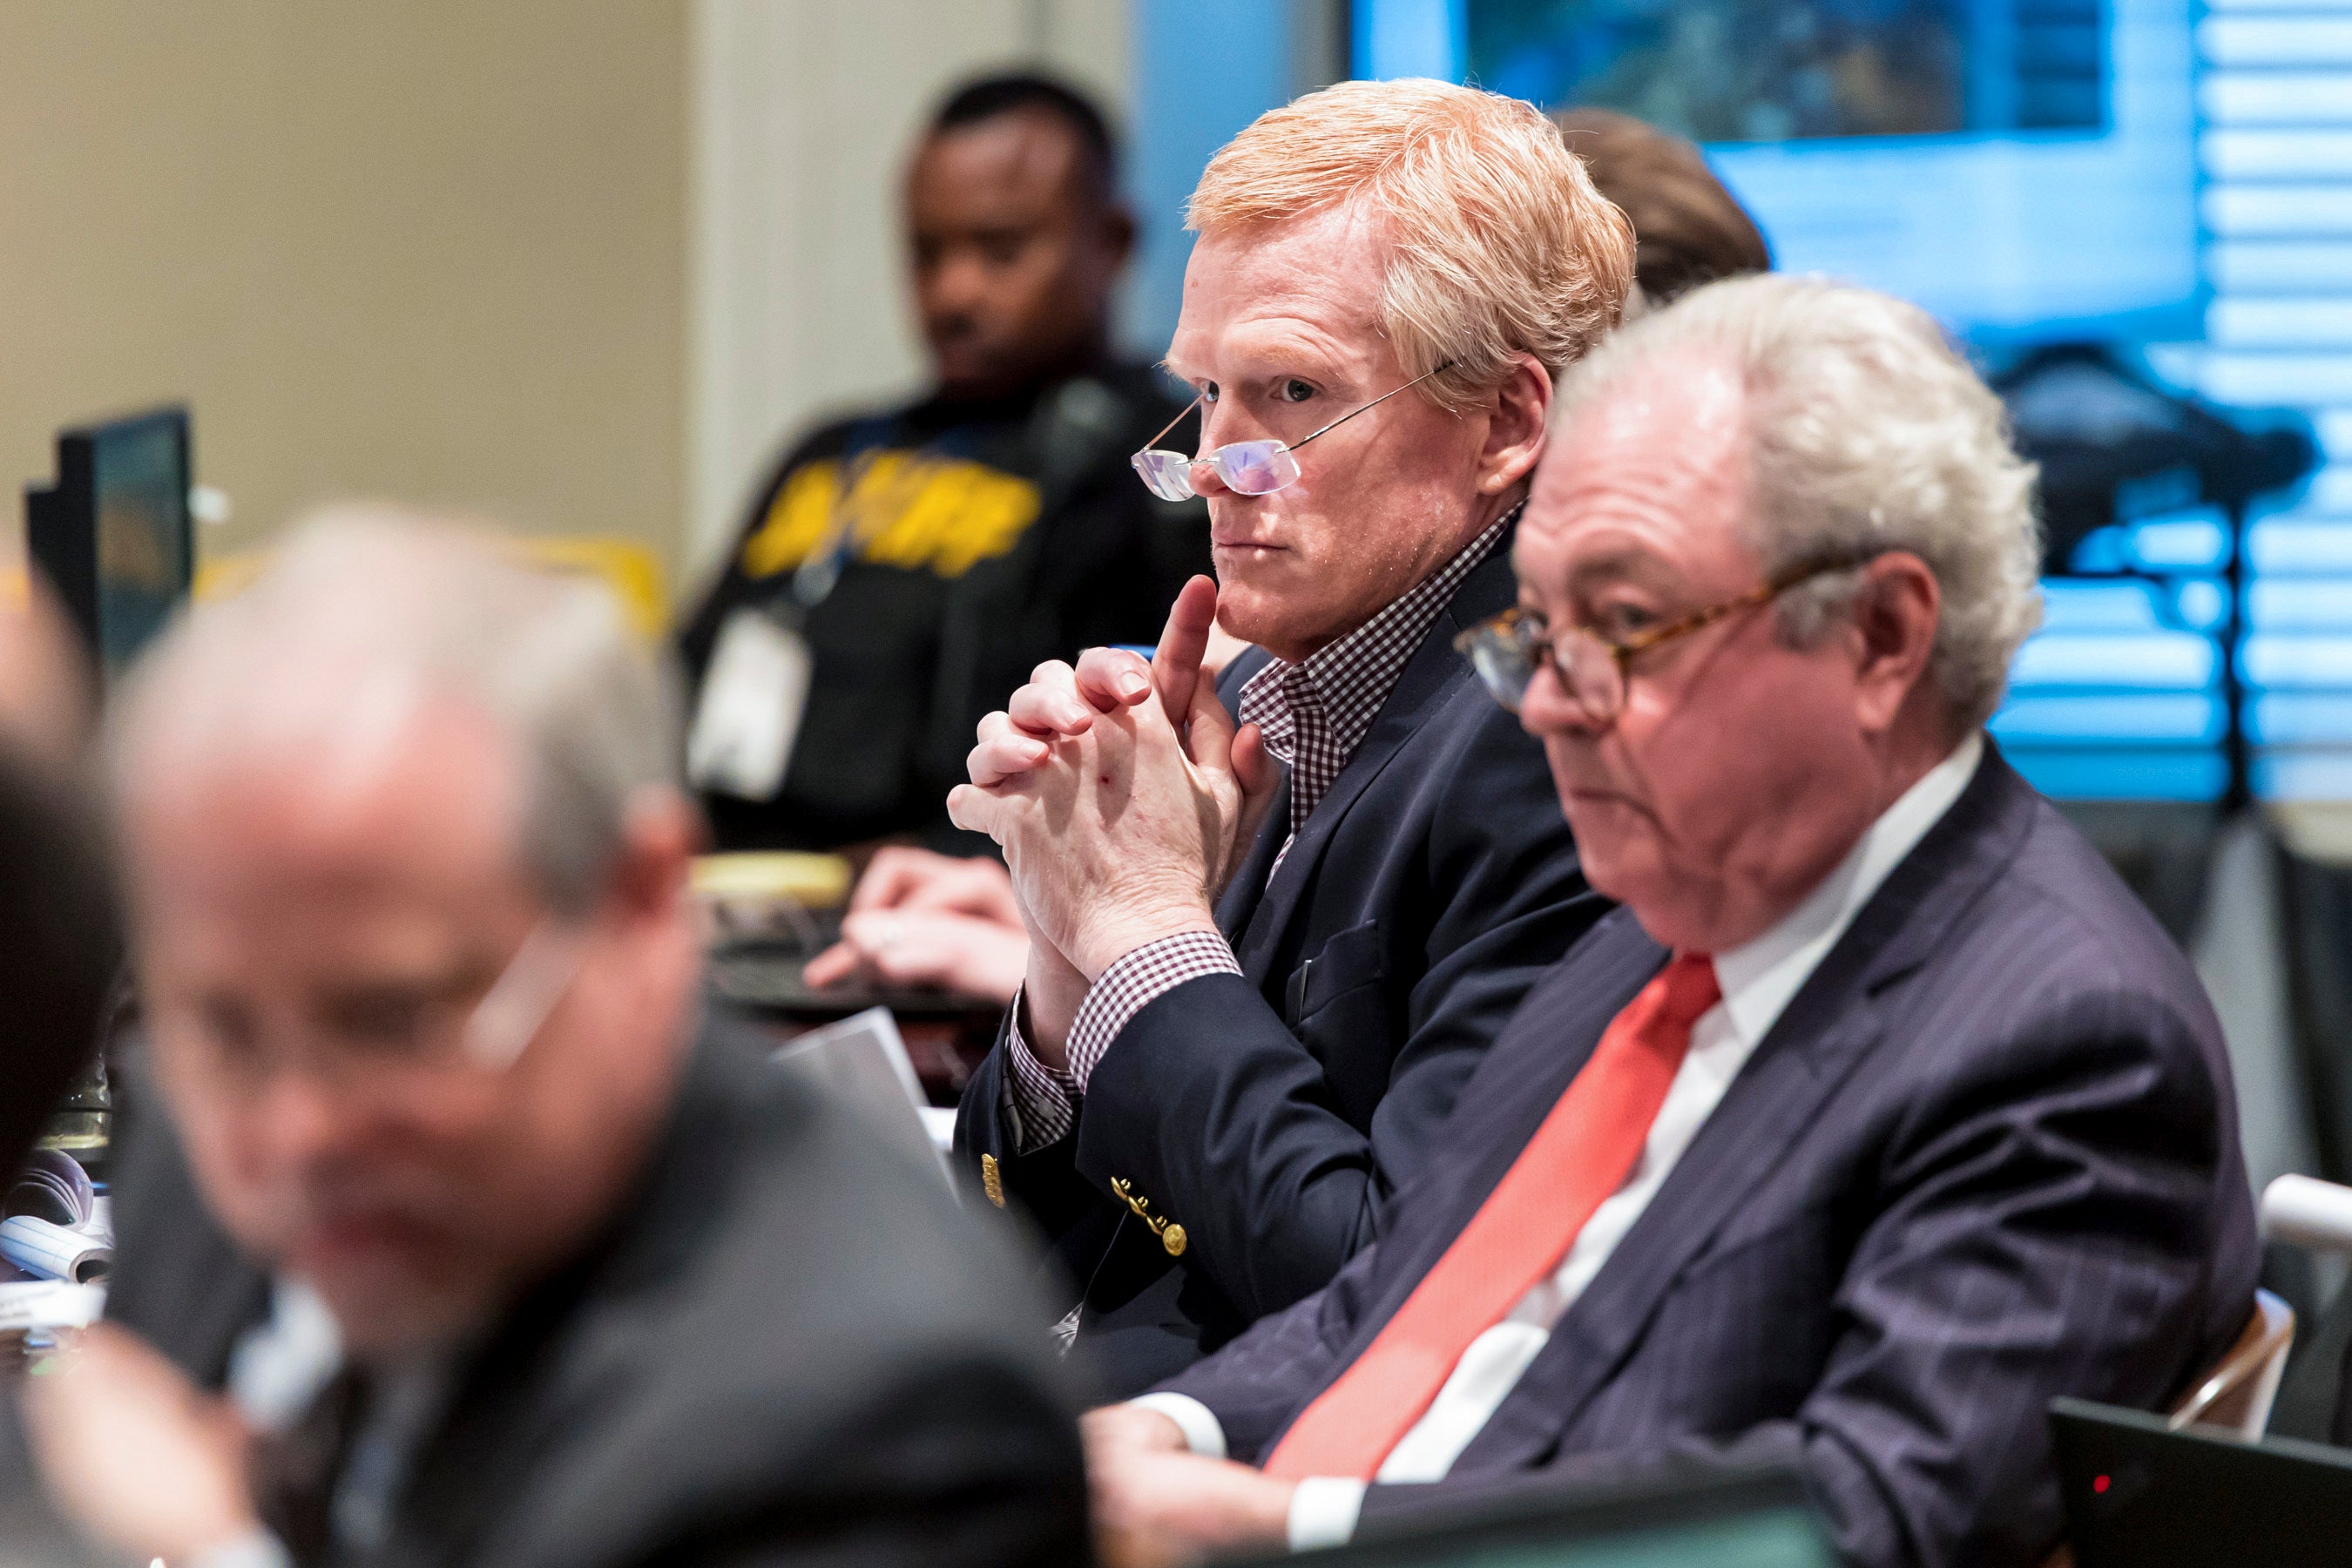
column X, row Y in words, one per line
column 1756, row 1519
column 2139, row 1493
column 113, row 535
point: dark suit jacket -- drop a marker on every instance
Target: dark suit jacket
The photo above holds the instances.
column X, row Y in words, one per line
column 59, row 948
column 790, row 1348
column 1272, row 1114
column 1989, row 1155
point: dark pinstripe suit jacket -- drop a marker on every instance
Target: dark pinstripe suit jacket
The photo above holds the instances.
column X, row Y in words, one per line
column 1989, row 1155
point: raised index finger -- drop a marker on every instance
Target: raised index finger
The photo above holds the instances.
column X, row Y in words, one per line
column 1183, row 643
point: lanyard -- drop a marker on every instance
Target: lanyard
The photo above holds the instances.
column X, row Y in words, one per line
column 854, row 522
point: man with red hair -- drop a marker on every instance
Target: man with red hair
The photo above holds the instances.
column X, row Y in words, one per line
column 1256, row 983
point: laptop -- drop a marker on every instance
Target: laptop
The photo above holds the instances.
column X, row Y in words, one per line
column 1753, row 1519
column 862, row 1060
column 2138, row 1494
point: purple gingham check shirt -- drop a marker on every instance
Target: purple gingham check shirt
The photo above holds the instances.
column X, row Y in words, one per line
column 1313, row 716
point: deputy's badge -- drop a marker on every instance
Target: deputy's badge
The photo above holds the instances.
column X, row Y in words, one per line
column 992, row 1180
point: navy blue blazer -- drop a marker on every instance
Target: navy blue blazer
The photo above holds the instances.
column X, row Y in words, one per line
column 1989, row 1155
column 1271, row 1114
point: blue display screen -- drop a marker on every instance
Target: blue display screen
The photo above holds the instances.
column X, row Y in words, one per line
column 2142, row 172
column 2025, row 169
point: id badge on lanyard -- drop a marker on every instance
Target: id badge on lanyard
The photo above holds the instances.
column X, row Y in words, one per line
column 756, row 689
column 753, row 695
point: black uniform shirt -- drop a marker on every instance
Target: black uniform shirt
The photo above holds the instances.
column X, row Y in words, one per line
column 973, row 541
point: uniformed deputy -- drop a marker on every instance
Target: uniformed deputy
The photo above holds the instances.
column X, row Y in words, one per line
column 905, row 570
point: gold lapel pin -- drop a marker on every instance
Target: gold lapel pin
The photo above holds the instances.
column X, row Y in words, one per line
column 1172, row 1236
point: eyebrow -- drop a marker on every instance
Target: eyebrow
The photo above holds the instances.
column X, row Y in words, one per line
column 1271, row 353
column 1616, row 565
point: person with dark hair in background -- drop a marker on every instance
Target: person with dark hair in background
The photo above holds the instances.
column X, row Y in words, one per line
column 905, row 569
column 60, row 940
column 1687, row 228
column 58, row 930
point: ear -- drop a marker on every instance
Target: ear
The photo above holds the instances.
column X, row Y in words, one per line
column 1515, row 426
column 660, row 834
column 1895, row 615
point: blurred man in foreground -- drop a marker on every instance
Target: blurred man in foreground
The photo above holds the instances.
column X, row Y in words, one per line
column 1269, row 961
column 905, row 569
column 1881, row 1113
column 482, row 1244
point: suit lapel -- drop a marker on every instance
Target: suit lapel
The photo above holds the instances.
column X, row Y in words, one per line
column 1528, row 1069
column 517, row 1390
column 1247, row 884
column 1244, row 893
column 1832, row 1023
column 1430, row 677
column 186, row 1289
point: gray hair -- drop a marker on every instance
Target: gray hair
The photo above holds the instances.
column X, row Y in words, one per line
column 368, row 609
column 1867, row 433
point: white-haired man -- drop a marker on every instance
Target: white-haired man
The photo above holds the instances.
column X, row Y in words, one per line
column 1205, row 1100
column 496, row 1250
column 1879, row 1116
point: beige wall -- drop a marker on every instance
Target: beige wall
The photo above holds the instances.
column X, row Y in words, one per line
column 580, row 263
column 425, row 249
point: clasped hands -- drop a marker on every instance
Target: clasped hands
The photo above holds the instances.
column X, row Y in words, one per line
column 1122, row 794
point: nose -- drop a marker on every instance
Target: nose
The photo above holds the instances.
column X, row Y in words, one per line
column 1206, row 481
column 1219, row 427
column 955, row 285
column 309, row 1119
column 1547, row 709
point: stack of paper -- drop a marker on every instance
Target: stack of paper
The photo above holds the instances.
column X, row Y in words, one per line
column 53, row 1226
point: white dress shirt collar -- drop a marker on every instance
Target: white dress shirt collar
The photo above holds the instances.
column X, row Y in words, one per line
column 1760, row 978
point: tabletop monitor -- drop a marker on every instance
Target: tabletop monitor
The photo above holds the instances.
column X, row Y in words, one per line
column 2139, row 1495
column 114, row 535
column 1749, row 1521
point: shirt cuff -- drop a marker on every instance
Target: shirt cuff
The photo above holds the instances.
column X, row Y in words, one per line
column 1133, row 983
column 1204, row 1433
column 1044, row 1103
column 1323, row 1512
column 257, row 1548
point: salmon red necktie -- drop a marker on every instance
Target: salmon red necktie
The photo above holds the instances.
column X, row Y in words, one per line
column 1582, row 1152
